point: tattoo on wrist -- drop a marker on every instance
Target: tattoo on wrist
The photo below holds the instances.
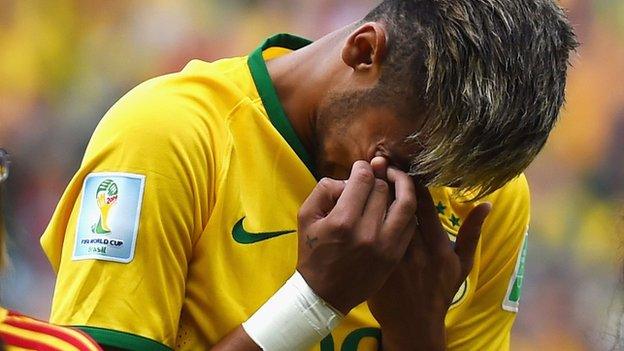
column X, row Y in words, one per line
column 310, row 240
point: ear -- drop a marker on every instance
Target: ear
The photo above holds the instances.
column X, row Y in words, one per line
column 365, row 47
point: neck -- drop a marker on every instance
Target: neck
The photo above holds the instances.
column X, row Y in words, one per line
column 301, row 79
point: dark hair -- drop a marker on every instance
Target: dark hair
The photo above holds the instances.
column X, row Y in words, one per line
column 489, row 76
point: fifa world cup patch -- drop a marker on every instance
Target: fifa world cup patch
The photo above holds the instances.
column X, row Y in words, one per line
column 108, row 220
column 514, row 290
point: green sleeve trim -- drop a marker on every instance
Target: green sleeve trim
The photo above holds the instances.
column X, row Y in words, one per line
column 123, row 340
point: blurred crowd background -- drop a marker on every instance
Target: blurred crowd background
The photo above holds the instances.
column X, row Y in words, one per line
column 63, row 63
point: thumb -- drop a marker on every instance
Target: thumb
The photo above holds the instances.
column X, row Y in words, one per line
column 380, row 167
column 469, row 234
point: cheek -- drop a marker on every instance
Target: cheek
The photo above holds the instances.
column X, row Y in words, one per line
column 333, row 170
column 339, row 151
column 343, row 140
column 333, row 160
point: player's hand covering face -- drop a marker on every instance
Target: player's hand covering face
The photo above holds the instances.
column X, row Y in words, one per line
column 358, row 241
column 412, row 304
column 349, row 239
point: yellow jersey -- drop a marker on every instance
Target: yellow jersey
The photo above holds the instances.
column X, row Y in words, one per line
column 181, row 221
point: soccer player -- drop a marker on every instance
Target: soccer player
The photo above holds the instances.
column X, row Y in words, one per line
column 210, row 209
column 20, row 332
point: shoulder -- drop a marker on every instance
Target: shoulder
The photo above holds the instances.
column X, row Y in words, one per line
column 516, row 190
column 512, row 202
column 179, row 116
column 505, row 228
column 194, row 100
column 22, row 331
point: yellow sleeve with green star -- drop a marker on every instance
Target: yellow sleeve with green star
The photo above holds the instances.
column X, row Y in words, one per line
column 484, row 320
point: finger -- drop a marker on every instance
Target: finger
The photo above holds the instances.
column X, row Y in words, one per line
column 322, row 199
column 351, row 203
column 404, row 206
column 469, row 234
column 380, row 167
column 408, row 242
column 375, row 209
column 429, row 222
column 400, row 248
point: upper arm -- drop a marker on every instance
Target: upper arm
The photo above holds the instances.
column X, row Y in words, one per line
column 122, row 251
column 487, row 318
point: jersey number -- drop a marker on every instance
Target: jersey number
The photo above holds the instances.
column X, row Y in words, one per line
column 352, row 340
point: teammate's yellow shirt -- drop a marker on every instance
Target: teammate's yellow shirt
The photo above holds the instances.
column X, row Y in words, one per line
column 181, row 220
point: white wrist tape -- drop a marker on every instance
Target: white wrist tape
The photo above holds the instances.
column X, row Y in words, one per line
column 293, row 319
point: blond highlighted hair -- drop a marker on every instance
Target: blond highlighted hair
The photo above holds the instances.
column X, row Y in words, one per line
column 487, row 75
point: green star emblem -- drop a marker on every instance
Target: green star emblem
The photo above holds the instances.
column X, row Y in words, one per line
column 454, row 220
column 440, row 207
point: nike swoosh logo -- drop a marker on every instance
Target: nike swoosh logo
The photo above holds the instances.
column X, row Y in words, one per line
column 242, row 236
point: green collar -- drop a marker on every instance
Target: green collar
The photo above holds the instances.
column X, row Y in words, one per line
column 268, row 94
